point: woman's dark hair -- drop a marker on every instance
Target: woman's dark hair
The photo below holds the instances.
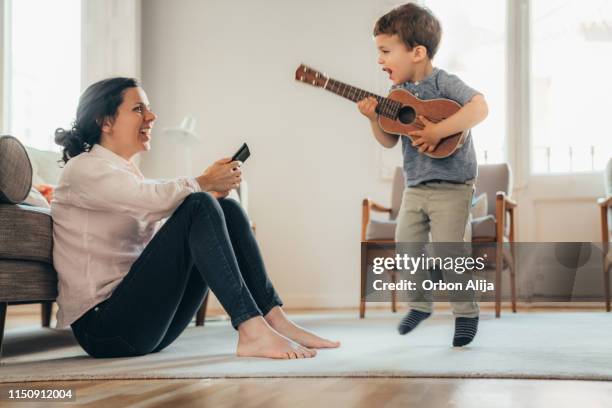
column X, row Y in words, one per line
column 99, row 101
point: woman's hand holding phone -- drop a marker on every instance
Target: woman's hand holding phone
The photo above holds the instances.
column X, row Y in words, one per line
column 221, row 177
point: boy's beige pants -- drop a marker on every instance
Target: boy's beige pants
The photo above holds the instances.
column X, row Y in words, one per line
column 439, row 209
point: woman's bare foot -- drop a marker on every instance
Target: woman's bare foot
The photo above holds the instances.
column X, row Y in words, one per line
column 257, row 339
column 281, row 323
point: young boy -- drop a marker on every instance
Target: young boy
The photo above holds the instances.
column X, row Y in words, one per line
column 438, row 192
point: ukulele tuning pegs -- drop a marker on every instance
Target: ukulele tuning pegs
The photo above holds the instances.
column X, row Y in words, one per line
column 314, row 82
column 302, row 78
column 317, row 75
column 305, row 69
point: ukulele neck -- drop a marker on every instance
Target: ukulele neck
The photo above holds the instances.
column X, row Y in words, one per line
column 386, row 106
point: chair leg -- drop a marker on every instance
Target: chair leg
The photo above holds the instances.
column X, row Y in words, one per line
column 393, row 292
column 605, row 244
column 606, row 271
column 46, row 309
column 201, row 315
column 498, row 278
column 3, row 306
column 513, row 261
column 512, row 266
column 607, row 283
column 500, row 217
column 362, row 293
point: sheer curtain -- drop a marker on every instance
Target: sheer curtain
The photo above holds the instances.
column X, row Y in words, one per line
column 571, row 62
column 42, row 66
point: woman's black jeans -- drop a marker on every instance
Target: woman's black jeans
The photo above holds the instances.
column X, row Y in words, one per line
column 206, row 243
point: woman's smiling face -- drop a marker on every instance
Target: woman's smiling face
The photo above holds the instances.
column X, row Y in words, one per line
column 130, row 131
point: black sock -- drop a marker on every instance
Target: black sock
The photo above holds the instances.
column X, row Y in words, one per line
column 465, row 330
column 411, row 320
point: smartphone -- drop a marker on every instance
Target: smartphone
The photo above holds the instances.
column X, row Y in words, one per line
column 242, row 154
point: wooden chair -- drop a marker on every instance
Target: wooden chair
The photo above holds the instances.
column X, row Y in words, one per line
column 497, row 227
column 380, row 231
column 605, row 205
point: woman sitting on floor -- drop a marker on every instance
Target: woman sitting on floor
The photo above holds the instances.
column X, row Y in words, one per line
column 129, row 286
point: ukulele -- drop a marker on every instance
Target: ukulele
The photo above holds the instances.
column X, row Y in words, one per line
column 397, row 113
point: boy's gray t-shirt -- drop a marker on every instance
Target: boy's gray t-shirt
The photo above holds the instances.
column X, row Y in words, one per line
column 461, row 165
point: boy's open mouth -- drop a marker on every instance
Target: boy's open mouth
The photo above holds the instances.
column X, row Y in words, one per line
column 388, row 71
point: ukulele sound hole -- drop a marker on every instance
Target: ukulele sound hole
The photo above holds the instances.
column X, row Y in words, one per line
column 406, row 115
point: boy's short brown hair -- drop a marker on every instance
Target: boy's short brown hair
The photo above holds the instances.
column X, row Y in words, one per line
column 415, row 25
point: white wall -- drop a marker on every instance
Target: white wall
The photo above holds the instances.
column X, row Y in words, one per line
column 231, row 65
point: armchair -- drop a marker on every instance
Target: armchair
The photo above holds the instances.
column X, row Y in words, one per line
column 26, row 238
column 380, row 231
column 498, row 225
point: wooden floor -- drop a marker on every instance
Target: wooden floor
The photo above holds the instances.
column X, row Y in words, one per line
column 332, row 392
column 314, row 392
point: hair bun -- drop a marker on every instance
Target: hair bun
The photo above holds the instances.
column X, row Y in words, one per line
column 65, row 137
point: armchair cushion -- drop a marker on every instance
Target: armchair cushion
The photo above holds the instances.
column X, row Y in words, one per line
column 15, row 171
column 27, row 281
column 36, row 199
column 491, row 179
column 480, row 206
column 483, row 227
column 26, row 233
column 381, row 230
column 45, row 166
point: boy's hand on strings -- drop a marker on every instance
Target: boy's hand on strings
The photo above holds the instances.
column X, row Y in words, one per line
column 367, row 107
column 428, row 137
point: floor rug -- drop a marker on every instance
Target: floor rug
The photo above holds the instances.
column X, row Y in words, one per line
column 551, row 345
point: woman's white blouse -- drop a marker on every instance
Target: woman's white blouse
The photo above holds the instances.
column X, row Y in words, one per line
column 104, row 214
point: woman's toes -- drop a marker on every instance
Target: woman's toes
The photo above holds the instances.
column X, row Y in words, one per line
column 331, row 344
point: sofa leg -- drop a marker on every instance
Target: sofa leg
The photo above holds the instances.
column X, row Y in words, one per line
column 201, row 315
column 46, row 309
column 3, row 306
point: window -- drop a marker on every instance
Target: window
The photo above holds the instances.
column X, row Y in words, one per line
column 473, row 47
column 42, row 68
column 571, row 62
